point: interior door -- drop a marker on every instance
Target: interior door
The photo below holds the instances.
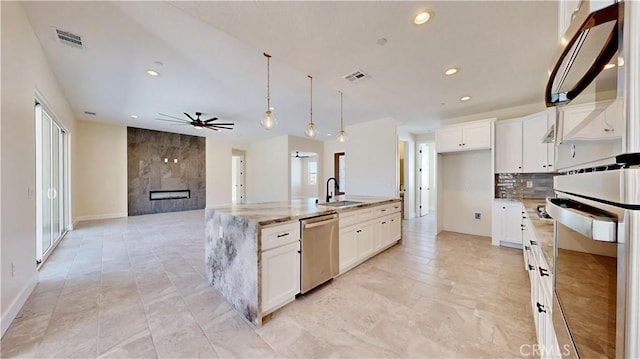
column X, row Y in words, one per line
column 238, row 176
column 423, row 172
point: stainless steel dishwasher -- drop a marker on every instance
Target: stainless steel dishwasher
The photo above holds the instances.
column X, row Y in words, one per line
column 319, row 251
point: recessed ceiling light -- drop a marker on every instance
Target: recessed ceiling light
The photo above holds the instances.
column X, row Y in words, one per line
column 152, row 73
column 134, row 116
column 451, row 71
column 328, row 134
column 609, row 66
column 465, row 98
column 421, row 18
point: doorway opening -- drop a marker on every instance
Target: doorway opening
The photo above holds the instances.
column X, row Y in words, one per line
column 304, row 175
column 52, row 182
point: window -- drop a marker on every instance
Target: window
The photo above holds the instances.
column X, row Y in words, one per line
column 339, row 171
column 312, row 168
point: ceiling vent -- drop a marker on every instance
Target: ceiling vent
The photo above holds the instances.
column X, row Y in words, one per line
column 67, row 38
column 356, row 76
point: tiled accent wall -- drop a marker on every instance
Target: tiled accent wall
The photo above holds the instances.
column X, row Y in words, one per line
column 514, row 185
column 147, row 171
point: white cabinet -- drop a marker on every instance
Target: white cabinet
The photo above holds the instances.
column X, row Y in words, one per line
column 348, row 251
column 395, row 228
column 519, row 146
column 507, row 223
column 541, row 294
column 474, row 135
column 509, row 146
column 537, row 156
column 381, row 232
column 366, row 232
column 364, row 240
column 280, row 261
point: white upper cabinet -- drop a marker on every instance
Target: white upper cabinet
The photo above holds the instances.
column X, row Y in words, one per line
column 519, row 146
column 509, row 146
column 469, row 136
column 537, row 156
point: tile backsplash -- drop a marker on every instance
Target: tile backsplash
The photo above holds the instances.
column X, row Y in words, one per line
column 514, row 185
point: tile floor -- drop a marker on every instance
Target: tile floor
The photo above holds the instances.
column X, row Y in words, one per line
column 135, row 288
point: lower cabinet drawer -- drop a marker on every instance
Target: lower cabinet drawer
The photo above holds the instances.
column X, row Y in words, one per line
column 280, row 234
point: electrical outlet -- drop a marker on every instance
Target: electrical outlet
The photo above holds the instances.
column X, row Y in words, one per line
column 477, row 215
column 13, row 269
column 529, row 184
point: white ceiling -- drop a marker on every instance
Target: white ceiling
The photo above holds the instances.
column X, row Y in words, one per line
column 211, row 55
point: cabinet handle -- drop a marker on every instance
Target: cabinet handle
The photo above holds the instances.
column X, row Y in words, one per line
column 527, row 248
column 533, row 243
column 504, row 207
column 543, row 166
column 548, row 165
column 464, row 144
column 543, row 272
column 523, row 217
column 540, row 308
column 359, row 230
column 385, row 222
column 531, row 267
column 519, row 167
column 383, row 210
column 522, row 225
column 282, row 235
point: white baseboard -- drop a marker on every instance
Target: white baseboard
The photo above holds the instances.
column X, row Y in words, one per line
column 100, row 216
column 10, row 314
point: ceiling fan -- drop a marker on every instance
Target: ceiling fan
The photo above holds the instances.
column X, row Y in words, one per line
column 298, row 155
column 197, row 123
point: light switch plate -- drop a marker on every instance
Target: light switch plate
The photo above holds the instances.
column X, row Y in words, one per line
column 529, row 184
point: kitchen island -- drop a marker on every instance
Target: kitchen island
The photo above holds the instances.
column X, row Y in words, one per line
column 236, row 236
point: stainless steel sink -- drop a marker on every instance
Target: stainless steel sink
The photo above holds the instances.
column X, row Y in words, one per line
column 339, row 203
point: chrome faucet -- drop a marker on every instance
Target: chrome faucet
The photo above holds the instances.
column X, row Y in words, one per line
column 335, row 185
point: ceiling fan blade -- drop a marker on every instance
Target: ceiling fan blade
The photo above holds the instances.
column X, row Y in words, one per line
column 223, row 124
column 174, row 121
column 188, row 115
column 221, row 127
column 177, row 118
column 211, row 119
column 213, row 128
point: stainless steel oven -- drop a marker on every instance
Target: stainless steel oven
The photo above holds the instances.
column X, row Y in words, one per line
column 597, row 229
column 595, row 87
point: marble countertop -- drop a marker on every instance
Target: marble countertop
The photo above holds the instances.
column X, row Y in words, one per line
column 276, row 212
column 542, row 228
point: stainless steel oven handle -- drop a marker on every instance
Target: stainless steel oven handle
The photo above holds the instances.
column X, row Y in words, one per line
column 588, row 221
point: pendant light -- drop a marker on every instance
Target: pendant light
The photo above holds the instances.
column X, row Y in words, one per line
column 341, row 136
column 269, row 120
column 311, row 130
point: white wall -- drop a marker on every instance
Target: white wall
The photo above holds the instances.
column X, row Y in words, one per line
column 101, row 171
column 268, row 175
column 304, row 144
column 25, row 70
column 467, row 188
column 371, row 158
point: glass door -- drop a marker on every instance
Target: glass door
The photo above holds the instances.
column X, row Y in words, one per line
column 51, row 178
